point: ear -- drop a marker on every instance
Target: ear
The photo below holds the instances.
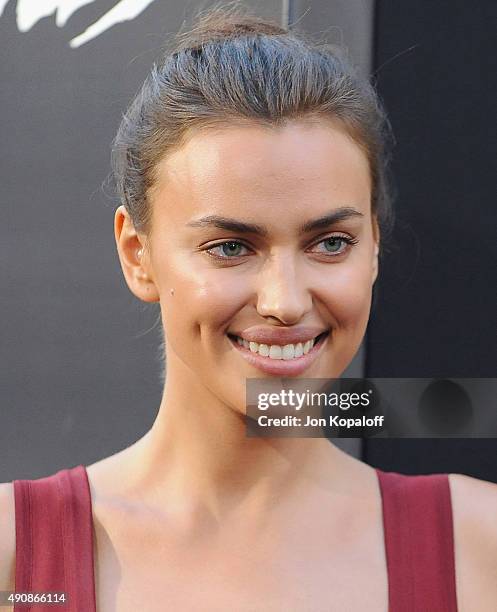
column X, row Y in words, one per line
column 134, row 257
column 376, row 238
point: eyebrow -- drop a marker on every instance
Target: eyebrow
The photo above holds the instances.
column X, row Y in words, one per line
column 234, row 225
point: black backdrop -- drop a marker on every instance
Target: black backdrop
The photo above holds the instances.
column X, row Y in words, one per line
column 436, row 304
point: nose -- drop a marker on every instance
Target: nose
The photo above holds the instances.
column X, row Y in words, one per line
column 282, row 292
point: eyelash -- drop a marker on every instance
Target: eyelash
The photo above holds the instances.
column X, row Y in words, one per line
column 349, row 241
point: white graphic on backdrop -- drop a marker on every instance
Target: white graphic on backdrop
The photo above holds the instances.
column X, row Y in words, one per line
column 29, row 12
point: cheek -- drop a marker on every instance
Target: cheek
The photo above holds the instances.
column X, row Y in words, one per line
column 205, row 299
column 348, row 296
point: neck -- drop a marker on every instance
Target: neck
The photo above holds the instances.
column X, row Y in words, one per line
column 197, row 457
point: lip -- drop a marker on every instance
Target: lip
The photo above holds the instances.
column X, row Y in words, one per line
column 281, row 367
column 281, row 336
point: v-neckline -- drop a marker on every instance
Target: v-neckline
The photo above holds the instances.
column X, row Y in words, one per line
column 93, row 535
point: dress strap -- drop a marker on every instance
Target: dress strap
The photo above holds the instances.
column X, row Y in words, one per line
column 54, row 540
column 419, row 542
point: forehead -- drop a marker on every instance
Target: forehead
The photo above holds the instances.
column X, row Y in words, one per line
column 251, row 170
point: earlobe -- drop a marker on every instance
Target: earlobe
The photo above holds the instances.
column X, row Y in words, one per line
column 135, row 264
column 375, row 262
column 376, row 238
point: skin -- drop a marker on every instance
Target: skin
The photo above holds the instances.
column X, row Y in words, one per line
column 194, row 491
column 223, row 492
column 229, row 489
column 249, row 173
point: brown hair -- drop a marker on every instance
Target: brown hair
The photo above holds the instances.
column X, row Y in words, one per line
column 232, row 66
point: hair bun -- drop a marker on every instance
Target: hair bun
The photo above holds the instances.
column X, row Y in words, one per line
column 225, row 22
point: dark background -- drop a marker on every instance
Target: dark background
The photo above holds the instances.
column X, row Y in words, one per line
column 79, row 354
column 436, row 308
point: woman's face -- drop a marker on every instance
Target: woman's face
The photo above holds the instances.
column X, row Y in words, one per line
column 235, row 235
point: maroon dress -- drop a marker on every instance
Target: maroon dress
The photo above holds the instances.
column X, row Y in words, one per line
column 54, row 541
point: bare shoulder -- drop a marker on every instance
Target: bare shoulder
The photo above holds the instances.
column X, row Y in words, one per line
column 7, row 536
column 474, row 504
column 474, row 507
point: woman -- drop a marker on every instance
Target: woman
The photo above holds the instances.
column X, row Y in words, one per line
column 251, row 169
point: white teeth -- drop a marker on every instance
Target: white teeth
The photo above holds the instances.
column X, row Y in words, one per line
column 264, row 350
column 288, row 351
column 275, row 351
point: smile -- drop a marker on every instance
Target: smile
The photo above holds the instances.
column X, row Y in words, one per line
column 287, row 360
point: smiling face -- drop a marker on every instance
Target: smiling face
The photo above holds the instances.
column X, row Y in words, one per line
column 265, row 274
